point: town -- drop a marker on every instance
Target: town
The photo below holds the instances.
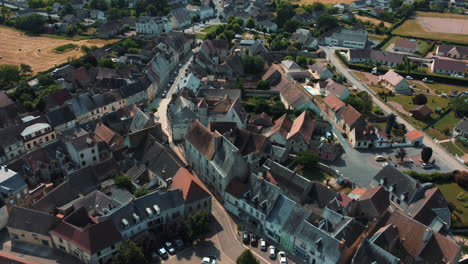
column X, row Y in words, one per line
column 233, row 131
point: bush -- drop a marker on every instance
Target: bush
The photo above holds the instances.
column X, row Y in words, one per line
column 420, row 99
column 435, row 177
column 63, row 48
column 263, row 85
column 32, row 23
column 461, row 178
column 123, row 181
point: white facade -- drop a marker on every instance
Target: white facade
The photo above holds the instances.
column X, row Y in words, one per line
column 153, row 25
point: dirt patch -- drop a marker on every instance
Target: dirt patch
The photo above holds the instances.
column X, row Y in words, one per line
column 38, row 52
column 374, row 21
column 445, row 25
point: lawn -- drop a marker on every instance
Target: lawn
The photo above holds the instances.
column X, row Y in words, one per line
column 361, row 76
column 374, row 21
column 450, row 192
column 423, row 47
column 446, row 122
column 64, row 48
column 434, row 133
column 314, row 174
column 446, row 88
column 432, row 101
column 454, row 149
column 390, row 42
column 210, row 29
column 412, row 28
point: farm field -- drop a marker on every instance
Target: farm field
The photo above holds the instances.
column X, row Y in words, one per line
column 374, row 21
column 11, row 41
column 453, row 28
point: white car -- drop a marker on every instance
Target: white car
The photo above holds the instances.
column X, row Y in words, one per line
column 409, row 78
column 272, row 252
column 208, row 260
column 263, row 245
column 282, row 258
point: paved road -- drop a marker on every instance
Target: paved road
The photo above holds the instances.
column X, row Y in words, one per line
column 439, row 154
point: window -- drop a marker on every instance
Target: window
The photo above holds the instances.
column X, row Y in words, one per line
column 18, row 195
column 83, row 163
column 52, row 136
column 82, row 155
column 94, row 158
column 47, row 138
column 205, row 204
column 45, row 242
column 92, row 151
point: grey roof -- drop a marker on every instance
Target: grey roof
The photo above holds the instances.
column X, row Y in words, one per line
column 281, row 211
column 368, row 252
column 219, row 93
column 297, row 216
column 400, row 182
column 96, row 203
column 358, row 35
column 10, row 182
column 60, row 116
column 59, row 196
column 31, row 220
column 462, row 125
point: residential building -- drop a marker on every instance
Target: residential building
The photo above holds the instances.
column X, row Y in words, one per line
column 191, row 81
column 81, row 146
column 180, row 18
column 329, row 86
column 304, row 36
column 153, row 26
column 405, row 45
column 4, row 216
column 456, row 52
column 461, row 128
column 13, row 188
column 395, row 82
column 333, row 104
column 37, row 135
column 448, row 67
column 61, row 118
column 247, row 47
column 293, row 95
column 386, row 58
column 320, row 71
column 421, row 112
column 279, row 131
column 181, row 113
column 348, row 38
column 203, row 11
column 415, row 138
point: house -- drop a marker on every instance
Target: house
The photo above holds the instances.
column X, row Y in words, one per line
column 98, row 15
column 14, row 190
column 358, row 4
column 364, row 135
column 300, row 134
column 347, row 15
column 279, row 131
column 405, row 45
column 421, row 112
column 180, row 18
column 267, row 25
column 448, row 67
column 395, row 82
column 348, row 118
column 369, row 252
column 461, row 128
column 191, row 81
column 304, row 36
column 247, row 47
column 330, row 86
column 153, row 26
column 290, row 65
column 373, row 203
column 215, row 160
column 81, row 146
column 415, row 138
column 400, row 187
column 31, row 226
column 390, row 59
column 4, row 216
column 203, row 12
column 333, row 104
column 37, row 134
column 320, row 71
column 348, row 38
column 293, row 96
column 325, row 151
column 456, row 52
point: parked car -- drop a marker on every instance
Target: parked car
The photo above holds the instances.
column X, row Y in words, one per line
column 163, row 253
column 409, row 78
column 426, row 80
column 272, row 252
column 282, row 258
column 254, row 240
column 246, row 238
column 208, row 260
column 169, row 247
column 263, row 245
column 380, row 158
column 427, row 166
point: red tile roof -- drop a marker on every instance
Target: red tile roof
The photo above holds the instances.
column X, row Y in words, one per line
column 191, row 187
column 202, row 139
column 406, row 44
column 104, row 133
column 303, row 125
column 413, row 135
column 350, row 115
column 283, row 125
column 333, row 102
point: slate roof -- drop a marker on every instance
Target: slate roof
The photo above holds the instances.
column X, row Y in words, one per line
column 60, row 116
column 447, row 48
column 422, row 208
column 191, row 187
column 290, row 65
column 368, row 252
column 32, row 221
column 406, row 44
column 281, row 210
column 10, row 182
column 400, row 182
column 462, row 125
column 449, row 65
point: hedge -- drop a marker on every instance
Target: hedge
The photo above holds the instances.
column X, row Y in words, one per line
column 435, row 177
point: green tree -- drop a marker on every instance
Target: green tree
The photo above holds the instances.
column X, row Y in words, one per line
column 406, row 10
column 33, row 23
column 141, row 192
column 391, row 120
column 25, row 69
column 263, row 85
column 9, row 74
column 394, row 4
column 459, row 105
column 426, row 154
column 129, row 253
column 253, row 64
column 367, row 101
column 301, row 61
column 123, row 181
column 326, row 22
column 250, row 23
column 420, row 99
column 307, row 159
column 98, row 4
column 247, row 258
column 401, row 154
column 45, row 80
column 291, row 25
column 284, row 12
column 317, row 6
column 106, row 63
column 197, row 224
column 278, row 109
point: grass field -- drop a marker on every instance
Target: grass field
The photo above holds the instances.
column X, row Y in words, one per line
column 390, row 42
column 331, row 2
column 413, row 28
column 441, row 15
column 450, row 192
column 64, row 48
column 446, row 88
column 374, row 21
column 17, row 48
column 446, row 122
column 432, row 101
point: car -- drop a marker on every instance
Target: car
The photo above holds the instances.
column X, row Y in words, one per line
column 246, row 238
column 163, row 253
column 169, row 247
column 272, row 252
column 394, row 164
column 443, row 95
column 208, row 260
column 409, row 77
column 263, row 245
column 254, row 241
column 385, row 164
column 179, row 243
column 282, row 258
column 427, row 166
column 380, row 158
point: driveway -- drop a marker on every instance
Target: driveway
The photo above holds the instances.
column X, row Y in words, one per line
column 443, row 158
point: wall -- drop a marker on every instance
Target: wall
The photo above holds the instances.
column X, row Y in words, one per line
column 29, row 237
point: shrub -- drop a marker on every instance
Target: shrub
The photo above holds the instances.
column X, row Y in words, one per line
column 461, row 178
column 435, row 177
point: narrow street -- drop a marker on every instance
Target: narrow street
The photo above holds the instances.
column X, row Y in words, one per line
column 440, row 155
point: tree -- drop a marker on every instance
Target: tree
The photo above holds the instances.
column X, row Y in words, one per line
column 284, row 12
column 317, row 6
column 401, row 154
column 250, row 23
column 45, row 80
column 247, row 258
column 394, row 4
column 129, row 253
column 25, row 69
column 141, row 192
column 151, row 10
column 367, row 101
column 307, row 159
column 326, row 22
column 291, row 25
column 278, row 109
column 391, row 120
column 253, row 64
column 32, row 22
column 461, row 178
column 123, row 181
column 301, row 61
column 426, row 154
column 263, row 85
column 106, row 63
column 459, row 105
column 197, row 224
column 420, row 99
column 406, row 10
column 9, row 74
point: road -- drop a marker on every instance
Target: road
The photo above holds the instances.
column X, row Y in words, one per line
column 439, row 153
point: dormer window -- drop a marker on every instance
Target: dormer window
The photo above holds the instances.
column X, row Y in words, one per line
column 125, row 223
column 136, row 217
column 149, row 211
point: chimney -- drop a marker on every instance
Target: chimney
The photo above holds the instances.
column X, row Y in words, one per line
column 427, row 235
column 341, row 245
